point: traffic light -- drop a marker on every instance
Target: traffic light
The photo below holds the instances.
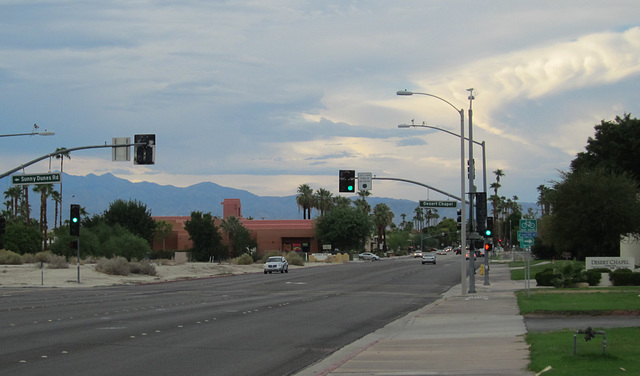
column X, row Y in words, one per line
column 74, row 220
column 347, row 181
column 73, row 244
column 144, row 154
column 489, row 231
column 481, row 211
column 459, row 220
column 488, row 247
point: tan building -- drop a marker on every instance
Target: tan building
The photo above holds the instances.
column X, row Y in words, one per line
column 282, row 235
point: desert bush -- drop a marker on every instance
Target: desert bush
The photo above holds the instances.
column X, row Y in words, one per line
column 270, row 254
column 57, row 262
column 29, row 258
column 244, row 259
column 293, row 258
column 115, row 266
column 162, row 254
column 44, row 256
column 142, row 267
column 10, row 258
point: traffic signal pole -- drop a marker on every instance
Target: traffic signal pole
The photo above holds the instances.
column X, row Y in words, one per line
column 64, row 151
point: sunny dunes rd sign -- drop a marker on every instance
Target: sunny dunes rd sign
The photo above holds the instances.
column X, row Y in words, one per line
column 24, row 179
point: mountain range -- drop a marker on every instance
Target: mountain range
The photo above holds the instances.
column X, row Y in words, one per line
column 96, row 192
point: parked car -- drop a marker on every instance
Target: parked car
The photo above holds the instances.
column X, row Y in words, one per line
column 369, row 256
column 417, row 253
column 429, row 258
column 276, row 264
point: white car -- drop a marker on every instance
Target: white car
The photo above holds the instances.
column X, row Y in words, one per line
column 276, row 264
column 369, row 256
column 429, row 258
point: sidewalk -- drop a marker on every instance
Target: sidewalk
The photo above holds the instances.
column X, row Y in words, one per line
column 472, row 334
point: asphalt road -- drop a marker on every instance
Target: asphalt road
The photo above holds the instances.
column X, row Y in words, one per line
column 253, row 324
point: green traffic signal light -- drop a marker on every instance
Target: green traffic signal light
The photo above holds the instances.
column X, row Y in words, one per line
column 487, row 233
column 350, row 188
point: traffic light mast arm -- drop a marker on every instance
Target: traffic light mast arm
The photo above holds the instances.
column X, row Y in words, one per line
column 64, row 151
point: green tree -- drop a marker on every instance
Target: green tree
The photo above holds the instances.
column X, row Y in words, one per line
column 615, row 147
column 45, row 191
column 22, row 238
column 343, row 227
column 132, row 215
column 163, row 229
column 591, row 210
column 239, row 236
column 207, row 241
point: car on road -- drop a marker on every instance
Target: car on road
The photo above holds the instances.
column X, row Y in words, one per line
column 442, row 252
column 369, row 256
column 429, row 258
column 417, row 253
column 276, row 264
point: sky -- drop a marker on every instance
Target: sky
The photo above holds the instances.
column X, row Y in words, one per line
column 267, row 95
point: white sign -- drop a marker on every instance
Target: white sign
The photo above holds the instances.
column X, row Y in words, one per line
column 611, row 263
column 364, row 181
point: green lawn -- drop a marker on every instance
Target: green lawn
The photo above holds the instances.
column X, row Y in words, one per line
column 555, row 349
column 535, row 267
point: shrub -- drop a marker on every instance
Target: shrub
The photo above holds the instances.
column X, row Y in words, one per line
column 29, row 258
column 57, row 262
column 293, row 258
column 43, row 256
column 142, row 267
column 244, row 259
column 625, row 277
column 269, row 254
column 547, row 277
column 115, row 266
column 10, row 258
column 594, row 276
column 162, row 254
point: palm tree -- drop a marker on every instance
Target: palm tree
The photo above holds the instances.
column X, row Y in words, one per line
column 495, row 201
column 544, row 199
column 323, row 200
column 45, row 191
column 382, row 217
column 231, row 226
column 418, row 219
column 342, row 201
column 57, row 199
column 13, row 194
column 305, row 200
column 61, row 157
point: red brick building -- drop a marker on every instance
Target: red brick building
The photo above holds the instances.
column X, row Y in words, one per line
column 281, row 235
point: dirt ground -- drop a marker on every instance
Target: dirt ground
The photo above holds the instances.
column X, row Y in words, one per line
column 32, row 275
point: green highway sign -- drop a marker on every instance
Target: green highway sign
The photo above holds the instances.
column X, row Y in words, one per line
column 528, row 225
column 438, row 204
column 48, row 178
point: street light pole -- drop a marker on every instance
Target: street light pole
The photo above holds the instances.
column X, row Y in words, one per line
column 472, row 196
column 463, row 235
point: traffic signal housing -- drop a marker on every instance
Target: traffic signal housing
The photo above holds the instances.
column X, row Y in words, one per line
column 145, row 153
column 488, row 232
column 74, row 220
column 347, row 181
column 488, row 247
column 459, row 219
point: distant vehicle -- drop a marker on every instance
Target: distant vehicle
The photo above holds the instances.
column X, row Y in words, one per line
column 369, row 256
column 429, row 258
column 276, row 264
column 417, row 253
column 442, row 252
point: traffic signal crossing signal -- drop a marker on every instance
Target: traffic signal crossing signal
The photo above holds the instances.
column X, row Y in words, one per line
column 347, row 181
column 74, row 220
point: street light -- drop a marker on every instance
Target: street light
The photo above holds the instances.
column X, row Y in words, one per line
column 32, row 133
column 482, row 144
column 463, row 237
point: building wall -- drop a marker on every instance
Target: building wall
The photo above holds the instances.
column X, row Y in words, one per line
column 280, row 235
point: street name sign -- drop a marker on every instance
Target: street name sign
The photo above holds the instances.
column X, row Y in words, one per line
column 438, row 204
column 48, row 178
